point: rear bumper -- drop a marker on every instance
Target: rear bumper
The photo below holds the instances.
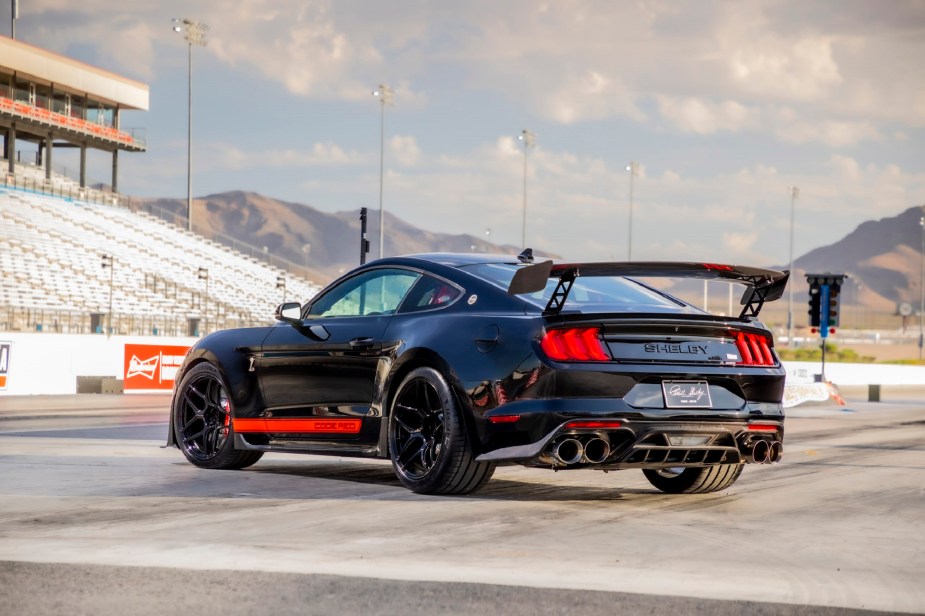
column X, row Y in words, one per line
column 650, row 439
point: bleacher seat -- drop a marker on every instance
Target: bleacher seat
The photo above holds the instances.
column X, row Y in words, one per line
column 50, row 255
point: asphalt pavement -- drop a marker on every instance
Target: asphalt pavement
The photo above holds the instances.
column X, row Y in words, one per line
column 97, row 518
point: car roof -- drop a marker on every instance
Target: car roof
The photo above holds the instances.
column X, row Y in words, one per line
column 463, row 258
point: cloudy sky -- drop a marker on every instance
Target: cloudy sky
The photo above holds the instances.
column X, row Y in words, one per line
column 724, row 105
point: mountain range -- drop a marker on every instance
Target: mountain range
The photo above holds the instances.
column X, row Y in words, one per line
column 325, row 244
column 882, row 257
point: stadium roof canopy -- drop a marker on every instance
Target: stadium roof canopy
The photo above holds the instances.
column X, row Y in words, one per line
column 57, row 101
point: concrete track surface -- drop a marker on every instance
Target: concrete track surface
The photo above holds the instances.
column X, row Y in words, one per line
column 97, row 518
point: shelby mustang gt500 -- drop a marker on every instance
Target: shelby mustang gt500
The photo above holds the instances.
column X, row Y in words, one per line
column 452, row 364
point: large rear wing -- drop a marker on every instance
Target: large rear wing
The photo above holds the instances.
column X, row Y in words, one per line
column 762, row 285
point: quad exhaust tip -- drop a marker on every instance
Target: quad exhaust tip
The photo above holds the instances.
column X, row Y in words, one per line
column 776, row 452
column 767, row 452
column 596, row 450
column 568, row 451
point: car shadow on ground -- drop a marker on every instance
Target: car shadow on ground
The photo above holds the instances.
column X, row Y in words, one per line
column 496, row 489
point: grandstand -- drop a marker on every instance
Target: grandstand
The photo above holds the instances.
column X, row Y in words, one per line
column 82, row 259
column 165, row 280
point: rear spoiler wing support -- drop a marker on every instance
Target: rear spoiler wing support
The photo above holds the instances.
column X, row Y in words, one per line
column 762, row 285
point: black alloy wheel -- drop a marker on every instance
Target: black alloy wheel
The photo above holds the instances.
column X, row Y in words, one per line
column 428, row 443
column 202, row 421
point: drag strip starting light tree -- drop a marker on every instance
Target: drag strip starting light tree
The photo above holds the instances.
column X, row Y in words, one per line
column 824, row 294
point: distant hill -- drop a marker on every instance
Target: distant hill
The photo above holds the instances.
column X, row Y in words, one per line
column 883, row 256
column 286, row 228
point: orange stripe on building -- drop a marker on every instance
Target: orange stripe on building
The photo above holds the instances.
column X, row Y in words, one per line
column 3, row 384
column 299, row 426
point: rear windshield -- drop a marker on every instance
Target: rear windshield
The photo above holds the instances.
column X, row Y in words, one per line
column 588, row 294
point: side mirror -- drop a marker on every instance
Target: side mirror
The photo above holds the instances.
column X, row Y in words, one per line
column 289, row 312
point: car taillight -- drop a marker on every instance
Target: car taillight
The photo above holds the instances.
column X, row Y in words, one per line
column 754, row 349
column 574, row 344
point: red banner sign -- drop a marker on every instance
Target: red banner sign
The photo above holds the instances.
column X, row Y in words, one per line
column 152, row 366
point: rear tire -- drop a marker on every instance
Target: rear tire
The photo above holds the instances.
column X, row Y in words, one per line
column 202, row 423
column 428, row 442
column 694, row 480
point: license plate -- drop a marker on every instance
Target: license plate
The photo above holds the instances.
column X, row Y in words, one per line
column 687, row 395
column 688, row 441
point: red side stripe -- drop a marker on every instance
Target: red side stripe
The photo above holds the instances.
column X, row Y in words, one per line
column 300, row 426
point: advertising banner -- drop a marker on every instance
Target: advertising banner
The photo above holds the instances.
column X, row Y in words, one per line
column 152, row 366
column 6, row 348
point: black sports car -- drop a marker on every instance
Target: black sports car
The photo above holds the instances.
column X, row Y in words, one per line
column 450, row 364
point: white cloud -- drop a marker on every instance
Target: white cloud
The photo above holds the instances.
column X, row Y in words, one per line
column 727, row 103
column 834, row 134
column 739, row 243
column 227, row 156
column 846, row 167
column 781, row 67
column 590, row 95
column 567, row 61
column 404, row 150
column 695, row 115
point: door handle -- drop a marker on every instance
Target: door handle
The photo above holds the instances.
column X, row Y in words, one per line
column 362, row 343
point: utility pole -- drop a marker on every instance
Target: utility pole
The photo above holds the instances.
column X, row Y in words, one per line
column 203, row 274
column 794, row 193
column 922, row 290
column 195, row 34
column 364, row 243
column 528, row 139
column 109, row 261
column 281, row 284
column 386, row 95
column 633, row 169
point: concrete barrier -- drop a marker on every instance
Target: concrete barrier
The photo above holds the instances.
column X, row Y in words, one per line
column 52, row 363
column 856, row 374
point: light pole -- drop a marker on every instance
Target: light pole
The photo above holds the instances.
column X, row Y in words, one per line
column 109, row 261
column 203, row 274
column 794, row 193
column 386, row 95
column 633, row 169
column 857, row 295
column 922, row 290
column 306, row 250
column 281, row 284
column 195, row 34
column 529, row 140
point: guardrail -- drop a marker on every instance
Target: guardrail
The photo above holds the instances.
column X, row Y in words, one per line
column 52, row 321
column 47, row 116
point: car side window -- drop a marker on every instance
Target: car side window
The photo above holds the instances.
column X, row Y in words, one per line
column 378, row 291
column 429, row 293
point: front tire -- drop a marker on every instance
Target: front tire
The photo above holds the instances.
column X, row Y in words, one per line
column 694, row 480
column 202, row 421
column 428, row 444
